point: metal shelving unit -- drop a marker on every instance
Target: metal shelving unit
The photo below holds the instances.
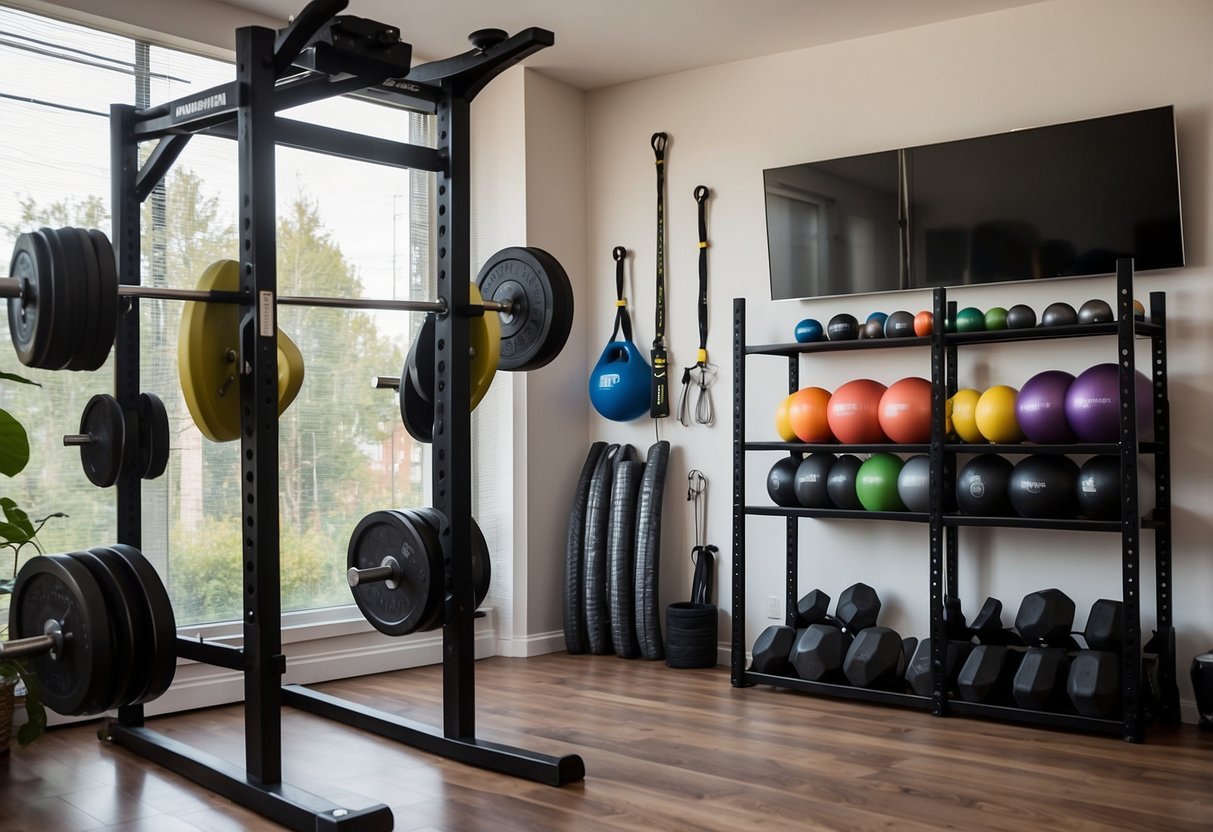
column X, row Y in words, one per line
column 943, row 543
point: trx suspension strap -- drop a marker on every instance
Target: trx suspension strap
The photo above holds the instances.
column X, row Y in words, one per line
column 659, row 402
column 701, row 373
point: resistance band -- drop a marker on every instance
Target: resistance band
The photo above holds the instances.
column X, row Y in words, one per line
column 659, row 400
column 701, row 373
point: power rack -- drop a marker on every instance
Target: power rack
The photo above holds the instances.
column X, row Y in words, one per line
column 320, row 55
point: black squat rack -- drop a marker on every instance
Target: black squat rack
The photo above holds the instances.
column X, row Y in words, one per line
column 318, row 56
column 943, row 544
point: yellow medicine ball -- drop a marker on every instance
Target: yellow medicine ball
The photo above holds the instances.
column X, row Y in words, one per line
column 783, row 425
column 996, row 415
column 963, row 405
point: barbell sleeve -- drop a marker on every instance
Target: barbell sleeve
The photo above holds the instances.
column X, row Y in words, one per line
column 20, row 648
column 389, row 571
column 74, row 439
column 385, row 382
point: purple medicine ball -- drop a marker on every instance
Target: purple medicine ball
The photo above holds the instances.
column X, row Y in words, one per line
column 1093, row 405
column 1040, row 408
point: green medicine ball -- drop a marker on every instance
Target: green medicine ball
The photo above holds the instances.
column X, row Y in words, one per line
column 996, row 318
column 876, row 483
column 970, row 319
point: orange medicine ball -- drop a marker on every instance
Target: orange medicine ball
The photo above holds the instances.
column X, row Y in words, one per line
column 807, row 414
column 854, row 412
column 924, row 323
column 905, row 411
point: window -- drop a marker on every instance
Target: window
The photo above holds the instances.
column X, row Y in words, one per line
column 344, row 228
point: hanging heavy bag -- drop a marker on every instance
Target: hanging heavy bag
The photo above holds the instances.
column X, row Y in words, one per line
column 620, row 381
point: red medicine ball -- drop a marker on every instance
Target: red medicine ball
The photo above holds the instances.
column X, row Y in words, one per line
column 854, row 412
column 905, row 411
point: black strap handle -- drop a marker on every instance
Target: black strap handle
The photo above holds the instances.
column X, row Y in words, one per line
column 659, row 402
column 701, row 198
column 622, row 319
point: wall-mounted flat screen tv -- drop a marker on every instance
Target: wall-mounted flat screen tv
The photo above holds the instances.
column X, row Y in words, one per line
column 1059, row 201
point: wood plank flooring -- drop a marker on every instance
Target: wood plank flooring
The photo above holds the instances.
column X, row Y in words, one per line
column 664, row 750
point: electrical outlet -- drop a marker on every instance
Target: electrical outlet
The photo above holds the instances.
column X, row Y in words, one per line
column 773, row 612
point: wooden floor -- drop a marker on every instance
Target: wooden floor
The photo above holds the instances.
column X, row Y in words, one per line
column 664, row 750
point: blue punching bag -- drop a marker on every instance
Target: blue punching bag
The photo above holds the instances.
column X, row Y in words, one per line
column 620, row 382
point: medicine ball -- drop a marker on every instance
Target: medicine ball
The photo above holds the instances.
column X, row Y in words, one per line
column 783, row 424
column 962, row 411
column 1099, row 488
column 843, row 327
column 809, row 330
column 1093, row 405
column 620, row 382
column 841, row 484
column 996, row 318
column 899, row 325
column 905, row 410
column 982, row 484
column 914, row 483
column 1095, row 312
column 781, row 482
column 807, row 415
column 876, row 483
column 1059, row 314
column 1020, row 316
column 1044, row 485
column 812, row 476
column 995, row 415
column 881, row 317
column 854, row 412
column 970, row 319
column 872, row 329
column 924, row 323
column 1040, row 408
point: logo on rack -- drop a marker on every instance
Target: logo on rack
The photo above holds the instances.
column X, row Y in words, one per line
column 201, row 105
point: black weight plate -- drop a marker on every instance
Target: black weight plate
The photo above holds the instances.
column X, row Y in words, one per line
column 564, row 308
column 107, row 319
column 68, row 316
column 401, row 610
column 421, row 359
column 90, row 281
column 57, row 588
column 122, row 631
column 162, row 659
column 433, row 548
column 153, row 436
column 82, row 293
column 481, row 566
column 29, row 318
column 102, row 421
column 522, row 276
column 416, row 413
column 141, row 625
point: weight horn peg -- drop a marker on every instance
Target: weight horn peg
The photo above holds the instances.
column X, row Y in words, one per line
column 388, row 571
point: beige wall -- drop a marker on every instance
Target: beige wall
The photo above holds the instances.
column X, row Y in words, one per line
column 1039, row 64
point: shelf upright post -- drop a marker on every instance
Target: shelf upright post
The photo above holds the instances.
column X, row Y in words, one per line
column 951, row 533
column 939, row 643
column 1169, row 706
column 124, row 163
column 737, row 648
column 258, row 380
column 1130, row 516
column 791, row 522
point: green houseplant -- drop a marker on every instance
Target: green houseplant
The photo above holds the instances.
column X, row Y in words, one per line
column 17, row 533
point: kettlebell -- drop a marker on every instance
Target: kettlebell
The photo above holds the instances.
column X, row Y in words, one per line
column 620, row 382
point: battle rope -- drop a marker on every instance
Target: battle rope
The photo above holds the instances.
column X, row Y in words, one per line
column 701, row 373
column 659, row 402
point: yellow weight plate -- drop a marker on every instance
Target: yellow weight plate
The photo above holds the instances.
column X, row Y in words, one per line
column 485, row 338
column 208, row 347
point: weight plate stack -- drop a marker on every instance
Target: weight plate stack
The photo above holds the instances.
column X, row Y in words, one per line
column 402, row 606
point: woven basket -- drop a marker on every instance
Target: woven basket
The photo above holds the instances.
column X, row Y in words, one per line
column 6, row 713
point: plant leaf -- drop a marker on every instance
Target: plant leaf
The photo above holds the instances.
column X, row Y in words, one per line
column 19, row 379
column 14, row 445
column 17, row 517
column 12, row 533
column 35, row 712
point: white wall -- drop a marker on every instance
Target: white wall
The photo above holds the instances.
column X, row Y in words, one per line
column 1040, row 64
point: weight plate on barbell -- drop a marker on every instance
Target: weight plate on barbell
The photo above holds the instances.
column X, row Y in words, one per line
column 68, row 315
column 153, row 436
column 415, row 412
column 401, row 610
column 141, row 626
column 535, row 284
column 105, row 425
column 58, row 589
column 107, row 318
column 481, row 566
column 419, row 365
column 162, row 658
column 432, row 544
column 83, row 290
column 484, row 341
column 29, row 316
column 122, row 633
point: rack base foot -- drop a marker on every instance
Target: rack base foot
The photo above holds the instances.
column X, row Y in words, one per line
column 529, row 765
column 283, row 804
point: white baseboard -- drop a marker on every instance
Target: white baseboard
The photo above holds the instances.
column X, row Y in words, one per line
column 536, row 645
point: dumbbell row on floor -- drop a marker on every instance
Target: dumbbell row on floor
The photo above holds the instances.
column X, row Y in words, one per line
column 1036, row 666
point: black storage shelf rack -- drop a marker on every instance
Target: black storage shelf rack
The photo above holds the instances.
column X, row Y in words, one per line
column 308, row 61
column 943, row 540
